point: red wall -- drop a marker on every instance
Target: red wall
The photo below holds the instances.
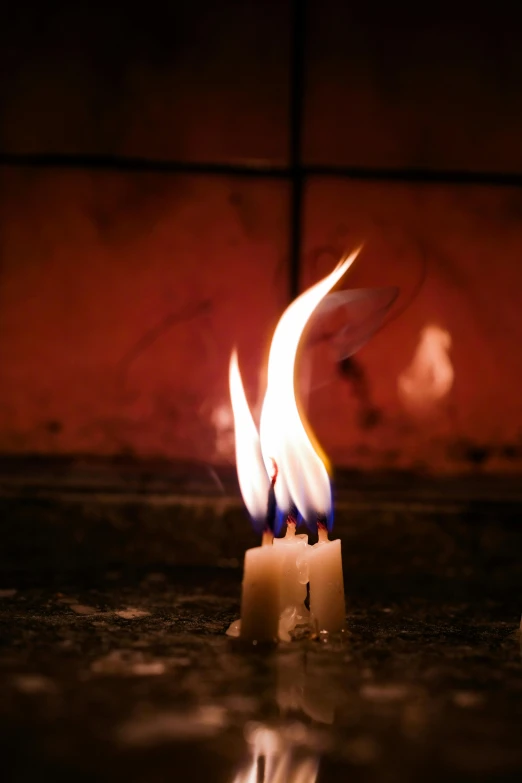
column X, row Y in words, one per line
column 121, row 294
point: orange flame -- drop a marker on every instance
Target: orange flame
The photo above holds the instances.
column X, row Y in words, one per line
column 284, row 437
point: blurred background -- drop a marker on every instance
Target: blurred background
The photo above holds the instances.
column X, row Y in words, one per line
column 172, row 175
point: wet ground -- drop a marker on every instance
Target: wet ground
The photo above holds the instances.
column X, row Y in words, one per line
column 115, row 597
column 129, row 676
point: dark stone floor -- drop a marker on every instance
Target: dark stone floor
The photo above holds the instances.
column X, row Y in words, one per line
column 117, row 583
column 129, row 676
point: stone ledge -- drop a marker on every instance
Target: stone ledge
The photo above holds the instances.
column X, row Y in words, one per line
column 82, row 515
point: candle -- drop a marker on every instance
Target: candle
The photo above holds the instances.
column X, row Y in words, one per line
column 260, row 590
column 327, row 605
column 292, row 586
column 260, row 594
column 274, row 587
column 262, row 566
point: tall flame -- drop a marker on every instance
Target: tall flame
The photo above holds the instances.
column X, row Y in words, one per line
column 284, row 437
column 302, row 477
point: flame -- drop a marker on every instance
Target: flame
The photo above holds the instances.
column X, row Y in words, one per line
column 430, row 375
column 283, row 442
column 284, row 437
column 253, row 478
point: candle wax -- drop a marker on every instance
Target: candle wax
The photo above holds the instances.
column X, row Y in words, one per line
column 292, row 591
column 327, row 605
column 260, row 593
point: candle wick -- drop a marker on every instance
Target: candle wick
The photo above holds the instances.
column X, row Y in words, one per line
column 275, row 471
column 290, row 527
column 291, row 522
column 271, row 506
column 268, row 537
column 322, row 531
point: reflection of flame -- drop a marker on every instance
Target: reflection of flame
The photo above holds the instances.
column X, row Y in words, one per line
column 303, row 686
column 430, row 375
column 302, row 475
column 223, row 422
column 279, row 766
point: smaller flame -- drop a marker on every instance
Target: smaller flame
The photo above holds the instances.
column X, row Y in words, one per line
column 429, row 377
column 253, row 478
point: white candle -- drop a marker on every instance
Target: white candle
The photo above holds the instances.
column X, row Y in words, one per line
column 327, row 605
column 292, row 589
column 260, row 593
column 283, row 450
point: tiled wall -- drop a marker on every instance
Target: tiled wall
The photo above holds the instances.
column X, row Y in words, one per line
column 121, row 293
